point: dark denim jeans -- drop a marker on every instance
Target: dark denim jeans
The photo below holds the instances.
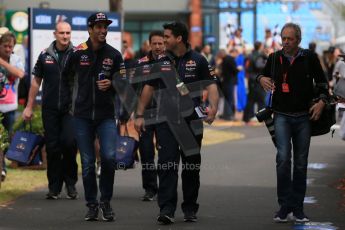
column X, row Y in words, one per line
column 7, row 122
column 106, row 131
column 292, row 132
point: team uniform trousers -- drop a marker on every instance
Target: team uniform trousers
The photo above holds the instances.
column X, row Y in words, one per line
column 61, row 149
column 147, row 156
column 169, row 155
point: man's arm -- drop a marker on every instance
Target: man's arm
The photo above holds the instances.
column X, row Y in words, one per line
column 34, row 88
column 322, row 85
column 13, row 71
column 144, row 100
column 213, row 98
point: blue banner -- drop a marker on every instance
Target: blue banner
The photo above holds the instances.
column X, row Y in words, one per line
column 47, row 18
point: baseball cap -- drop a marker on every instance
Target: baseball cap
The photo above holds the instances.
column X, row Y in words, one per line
column 98, row 17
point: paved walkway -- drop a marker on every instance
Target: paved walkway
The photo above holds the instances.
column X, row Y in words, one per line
column 237, row 191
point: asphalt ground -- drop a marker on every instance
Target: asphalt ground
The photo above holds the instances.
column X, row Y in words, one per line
column 237, row 190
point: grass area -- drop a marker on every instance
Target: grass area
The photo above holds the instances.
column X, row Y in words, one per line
column 212, row 137
column 20, row 181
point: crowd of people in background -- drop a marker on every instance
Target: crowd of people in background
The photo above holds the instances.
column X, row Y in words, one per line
column 239, row 63
column 234, row 68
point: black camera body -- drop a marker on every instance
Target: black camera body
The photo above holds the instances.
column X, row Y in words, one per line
column 264, row 114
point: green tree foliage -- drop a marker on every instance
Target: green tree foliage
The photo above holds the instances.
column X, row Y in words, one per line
column 36, row 122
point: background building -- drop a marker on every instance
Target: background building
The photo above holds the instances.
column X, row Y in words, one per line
column 140, row 16
column 212, row 21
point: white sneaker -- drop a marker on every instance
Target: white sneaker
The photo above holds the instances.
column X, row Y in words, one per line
column 300, row 216
column 98, row 169
column 3, row 175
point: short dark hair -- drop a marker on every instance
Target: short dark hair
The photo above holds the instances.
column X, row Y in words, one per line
column 198, row 49
column 156, row 33
column 331, row 49
column 312, row 46
column 296, row 28
column 178, row 29
column 8, row 36
column 257, row 45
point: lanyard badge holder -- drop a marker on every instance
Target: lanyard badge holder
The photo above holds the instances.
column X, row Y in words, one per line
column 181, row 87
column 201, row 110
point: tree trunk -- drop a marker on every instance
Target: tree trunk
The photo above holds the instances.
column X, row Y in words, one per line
column 115, row 6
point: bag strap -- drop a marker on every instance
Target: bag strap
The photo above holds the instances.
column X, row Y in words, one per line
column 30, row 125
column 126, row 130
column 119, row 128
column 316, row 86
column 306, row 62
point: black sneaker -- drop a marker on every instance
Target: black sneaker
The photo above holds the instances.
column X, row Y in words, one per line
column 107, row 211
column 299, row 216
column 149, row 196
column 165, row 219
column 52, row 195
column 283, row 215
column 190, row 217
column 92, row 213
column 71, row 192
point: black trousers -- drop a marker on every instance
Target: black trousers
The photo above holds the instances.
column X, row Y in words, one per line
column 61, row 149
column 147, row 156
column 168, row 164
column 256, row 94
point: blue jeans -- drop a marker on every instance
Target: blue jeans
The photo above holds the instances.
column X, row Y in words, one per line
column 7, row 122
column 292, row 132
column 85, row 131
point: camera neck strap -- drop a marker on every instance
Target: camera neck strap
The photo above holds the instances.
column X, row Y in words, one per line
column 273, row 67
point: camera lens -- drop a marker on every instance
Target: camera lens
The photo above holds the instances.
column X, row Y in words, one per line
column 270, row 127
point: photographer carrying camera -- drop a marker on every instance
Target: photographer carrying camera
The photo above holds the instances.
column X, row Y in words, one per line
column 286, row 74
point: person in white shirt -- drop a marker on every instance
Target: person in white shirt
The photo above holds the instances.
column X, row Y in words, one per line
column 11, row 70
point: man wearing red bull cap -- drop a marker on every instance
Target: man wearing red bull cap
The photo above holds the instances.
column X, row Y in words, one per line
column 90, row 68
